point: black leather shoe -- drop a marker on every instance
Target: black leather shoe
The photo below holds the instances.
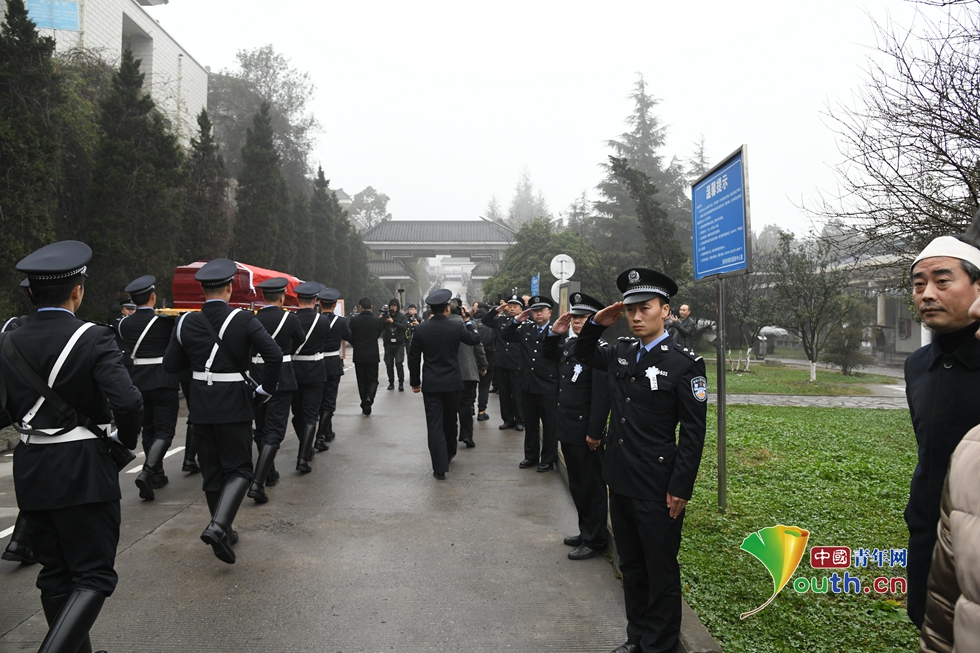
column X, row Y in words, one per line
column 469, row 443
column 482, row 417
column 506, row 425
column 518, row 427
column 366, row 409
column 439, row 476
column 584, row 553
column 401, row 387
column 391, row 386
column 627, row 648
column 272, row 478
column 546, row 467
column 573, row 540
column 527, row 463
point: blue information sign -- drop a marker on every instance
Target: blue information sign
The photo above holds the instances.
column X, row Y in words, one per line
column 721, row 219
column 535, row 284
column 54, row 14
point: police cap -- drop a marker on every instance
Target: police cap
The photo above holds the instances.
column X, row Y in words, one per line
column 583, row 304
column 328, row 295
column 56, row 263
column 441, row 296
column 274, row 286
column 25, row 283
column 540, row 301
column 141, row 285
column 515, row 299
column 307, row 290
column 130, row 306
column 216, row 273
column 640, row 284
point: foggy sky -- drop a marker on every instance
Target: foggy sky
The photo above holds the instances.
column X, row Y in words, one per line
column 441, row 105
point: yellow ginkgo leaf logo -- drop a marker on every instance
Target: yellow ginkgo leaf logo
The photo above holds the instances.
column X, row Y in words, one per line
column 780, row 548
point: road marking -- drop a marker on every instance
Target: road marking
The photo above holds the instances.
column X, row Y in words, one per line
column 138, row 469
column 6, row 533
column 173, row 451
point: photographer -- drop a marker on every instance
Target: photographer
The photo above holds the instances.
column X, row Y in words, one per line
column 412, row 314
column 396, row 326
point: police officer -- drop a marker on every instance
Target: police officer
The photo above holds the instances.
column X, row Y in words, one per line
column 508, row 360
column 66, row 480
column 583, row 407
column 338, row 332
column 538, row 383
column 650, row 474
column 272, row 416
column 310, row 371
column 438, row 339
column 216, row 343
column 365, row 330
column 143, row 337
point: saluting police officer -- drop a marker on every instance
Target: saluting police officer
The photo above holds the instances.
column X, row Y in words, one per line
column 538, row 383
column 650, row 472
column 334, row 365
column 216, row 344
column 583, row 407
column 272, row 416
column 508, row 360
column 67, row 482
column 144, row 337
column 438, row 339
column 311, row 374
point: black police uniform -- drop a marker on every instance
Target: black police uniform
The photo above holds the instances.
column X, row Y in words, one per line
column 365, row 328
column 539, row 389
column 310, row 374
column 940, row 385
column 220, row 399
column 583, row 408
column 394, row 339
column 645, row 461
column 438, row 339
column 67, row 483
column 333, row 363
column 272, row 416
column 144, row 337
column 508, row 375
column 489, row 339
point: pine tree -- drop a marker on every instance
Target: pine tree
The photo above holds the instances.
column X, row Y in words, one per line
column 132, row 218
column 263, row 201
column 325, row 214
column 206, row 233
column 29, row 96
column 304, row 265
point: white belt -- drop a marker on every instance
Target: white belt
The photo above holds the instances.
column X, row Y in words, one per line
column 148, row 361
column 77, row 433
column 307, row 358
column 258, row 360
column 331, row 353
column 218, row 377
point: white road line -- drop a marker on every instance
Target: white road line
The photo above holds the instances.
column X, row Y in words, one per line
column 136, row 470
column 173, row 451
column 6, row 533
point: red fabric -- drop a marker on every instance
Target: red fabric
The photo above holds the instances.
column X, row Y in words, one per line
column 187, row 292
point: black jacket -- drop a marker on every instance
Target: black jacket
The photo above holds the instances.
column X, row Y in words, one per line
column 315, row 326
column 154, row 345
column 507, row 355
column 684, row 332
column 583, row 393
column 365, row 328
column 489, row 339
column 94, row 382
column 438, row 338
column 339, row 331
column 190, row 347
column 539, row 375
column 395, row 333
column 285, row 329
column 644, row 458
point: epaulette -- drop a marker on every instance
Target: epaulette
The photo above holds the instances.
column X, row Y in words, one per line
column 627, row 339
column 603, row 343
column 687, row 351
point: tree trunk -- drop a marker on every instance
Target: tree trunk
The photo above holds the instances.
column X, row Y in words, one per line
column 813, row 371
column 748, row 357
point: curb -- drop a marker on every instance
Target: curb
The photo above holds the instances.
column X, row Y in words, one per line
column 8, row 439
column 694, row 637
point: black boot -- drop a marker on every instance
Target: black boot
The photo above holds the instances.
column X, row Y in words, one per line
column 218, row 533
column 321, row 443
column 266, row 458
column 273, row 476
column 69, row 626
column 190, row 452
column 19, row 548
column 306, row 449
column 154, row 457
column 328, row 427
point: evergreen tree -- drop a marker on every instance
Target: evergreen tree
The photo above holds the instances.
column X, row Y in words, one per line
column 526, row 205
column 263, row 200
column 131, row 216
column 304, row 265
column 207, row 221
column 29, row 96
column 325, row 215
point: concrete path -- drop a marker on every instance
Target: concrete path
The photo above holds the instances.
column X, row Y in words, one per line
column 368, row 553
column 897, row 402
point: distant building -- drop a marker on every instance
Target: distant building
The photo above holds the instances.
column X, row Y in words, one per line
column 175, row 80
column 343, row 198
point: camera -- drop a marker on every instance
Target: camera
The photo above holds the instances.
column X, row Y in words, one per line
column 385, row 312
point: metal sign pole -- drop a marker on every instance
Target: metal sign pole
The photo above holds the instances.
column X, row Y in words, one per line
column 722, row 401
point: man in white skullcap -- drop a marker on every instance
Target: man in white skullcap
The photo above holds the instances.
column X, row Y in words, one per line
column 941, row 381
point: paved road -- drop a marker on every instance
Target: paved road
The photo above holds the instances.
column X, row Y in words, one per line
column 367, row 553
column 897, row 402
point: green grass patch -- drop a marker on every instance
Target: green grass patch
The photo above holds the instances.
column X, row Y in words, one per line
column 840, row 473
column 786, row 380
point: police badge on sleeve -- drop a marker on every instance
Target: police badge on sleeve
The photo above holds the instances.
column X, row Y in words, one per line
column 699, row 386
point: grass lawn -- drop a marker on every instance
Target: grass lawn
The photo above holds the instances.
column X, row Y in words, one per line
column 840, row 473
column 783, row 380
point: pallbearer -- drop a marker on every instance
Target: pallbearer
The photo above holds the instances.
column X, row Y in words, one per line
column 272, row 416
column 144, row 337
column 66, row 480
column 332, row 363
column 216, row 344
column 310, row 371
column 583, row 407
